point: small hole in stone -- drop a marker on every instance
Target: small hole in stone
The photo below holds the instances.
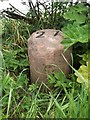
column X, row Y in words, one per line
column 37, row 32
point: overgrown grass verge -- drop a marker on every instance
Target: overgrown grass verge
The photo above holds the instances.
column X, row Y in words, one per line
column 61, row 97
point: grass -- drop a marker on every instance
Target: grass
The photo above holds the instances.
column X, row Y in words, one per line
column 59, row 98
column 32, row 102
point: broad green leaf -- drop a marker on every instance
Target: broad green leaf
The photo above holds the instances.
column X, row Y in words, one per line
column 76, row 13
column 74, row 33
column 79, row 8
column 80, row 18
column 83, row 70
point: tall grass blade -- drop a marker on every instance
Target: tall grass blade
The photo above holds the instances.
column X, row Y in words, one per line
column 9, row 101
column 79, row 75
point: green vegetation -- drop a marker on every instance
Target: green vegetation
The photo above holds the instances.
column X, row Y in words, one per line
column 61, row 97
column 77, row 30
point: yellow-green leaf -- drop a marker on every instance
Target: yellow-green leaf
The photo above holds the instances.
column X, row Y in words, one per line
column 83, row 70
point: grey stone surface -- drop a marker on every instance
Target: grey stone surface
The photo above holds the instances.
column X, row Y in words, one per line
column 44, row 49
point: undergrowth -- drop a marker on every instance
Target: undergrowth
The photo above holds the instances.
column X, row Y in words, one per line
column 60, row 97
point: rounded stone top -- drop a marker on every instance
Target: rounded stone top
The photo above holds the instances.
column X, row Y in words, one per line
column 47, row 38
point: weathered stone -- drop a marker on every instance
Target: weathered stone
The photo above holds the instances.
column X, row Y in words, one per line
column 44, row 49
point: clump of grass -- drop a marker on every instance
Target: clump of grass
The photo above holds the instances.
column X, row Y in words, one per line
column 31, row 102
column 73, row 97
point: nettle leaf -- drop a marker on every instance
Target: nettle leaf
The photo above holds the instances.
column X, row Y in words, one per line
column 74, row 33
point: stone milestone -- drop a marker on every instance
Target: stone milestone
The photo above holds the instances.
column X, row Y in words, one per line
column 44, row 50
